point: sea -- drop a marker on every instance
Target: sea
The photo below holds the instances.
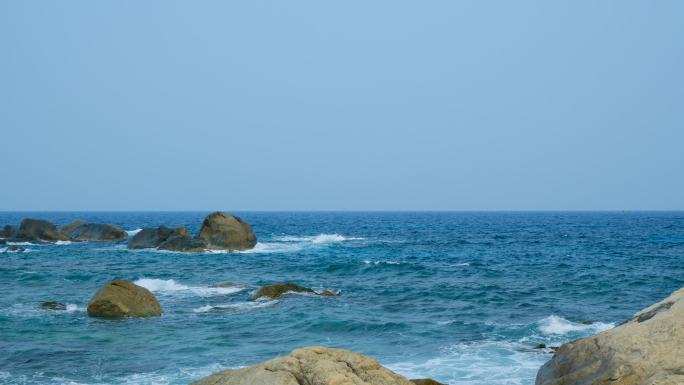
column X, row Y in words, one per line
column 460, row 297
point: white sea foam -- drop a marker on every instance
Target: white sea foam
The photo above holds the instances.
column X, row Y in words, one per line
column 555, row 325
column 381, row 262
column 133, row 232
column 170, row 286
column 63, row 243
column 477, row 363
column 7, row 250
column 240, row 306
column 24, row 244
column 317, row 239
column 463, row 264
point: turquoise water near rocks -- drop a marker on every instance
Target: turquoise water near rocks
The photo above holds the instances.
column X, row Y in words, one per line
column 459, row 297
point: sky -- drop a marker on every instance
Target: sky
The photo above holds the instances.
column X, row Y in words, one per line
column 341, row 105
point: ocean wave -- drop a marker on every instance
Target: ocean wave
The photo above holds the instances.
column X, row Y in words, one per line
column 555, row 325
column 63, row 243
column 170, row 286
column 317, row 239
column 381, row 262
column 133, row 232
column 481, row 363
column 7, row 250
column 463, row 264
column 237, row 307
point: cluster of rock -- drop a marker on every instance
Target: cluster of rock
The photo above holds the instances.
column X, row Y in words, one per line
column 42, row 231
column 647, row 349
column 313, row 365
column 219, row 231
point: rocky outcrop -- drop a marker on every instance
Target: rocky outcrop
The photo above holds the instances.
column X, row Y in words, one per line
column 39, row 230
column 81, row 231
column 151, row 238
column 311, row 366
column 227, row 232
column 647, row 349
column 120, row 298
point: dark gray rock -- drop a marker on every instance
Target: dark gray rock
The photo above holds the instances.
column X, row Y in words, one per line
column 8, row 232
column 184, row 243
column 151, row 238
column 52, row 305
column 95, row 232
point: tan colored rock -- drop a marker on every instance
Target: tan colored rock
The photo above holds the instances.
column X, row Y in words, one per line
column 426, row 381
column 120, row 298
column 312, row 366
column 647, row 349
column 276, row 290
column 227, row 232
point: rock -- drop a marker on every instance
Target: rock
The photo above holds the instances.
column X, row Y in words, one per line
column 15, row 249
column 120, row 298
column 276, row 290
column 70, row 227
column 226, row 232
column 310, row 366
column 183, row 243
column 540, row 346
column 150, row 238
column 94, row 232
column 426, row 381
column 647, row 349
column 586, row 322
column 8, row 232
column 52, row 305
column 225, row 284
column 39, row 230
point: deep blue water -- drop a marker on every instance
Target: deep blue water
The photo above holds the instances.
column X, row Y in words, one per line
column 460, row 297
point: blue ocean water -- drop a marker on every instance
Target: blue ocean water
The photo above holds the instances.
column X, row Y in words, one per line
column 459, row 297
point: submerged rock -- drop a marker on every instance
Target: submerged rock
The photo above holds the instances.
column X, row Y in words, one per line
column 278, row 289
column 426, row 381
column 120, row 298
column 225, row 284
column 227, row 232
column 39, row 230
column 327, row 293
column 183, row 243
column 540, row 346
column 311, row 366
column 15, row 249
column 150, row 238
column 52, row 305
column 80, row 231
column 647, row 349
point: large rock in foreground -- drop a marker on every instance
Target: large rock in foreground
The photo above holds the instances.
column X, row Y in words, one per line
column 120, row 298
column 39, row 230
column 311, row 366
column 647, row 349
column 81, row 231
column 226, row 232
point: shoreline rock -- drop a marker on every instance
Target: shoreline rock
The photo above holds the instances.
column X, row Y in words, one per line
column 276, row 290
column 81, row 231
column 121, row 298
column 39, row 230
column 313, row 365
column 647, row 349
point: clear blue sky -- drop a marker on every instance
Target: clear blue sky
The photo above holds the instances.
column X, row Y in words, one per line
column 342, row 105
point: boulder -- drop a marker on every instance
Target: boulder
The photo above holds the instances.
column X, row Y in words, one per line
column 311, row 366
column 52, row 305
column 184, row 243
column 39, row 230
column 150, row 238
column 94, row 232
column 426, row 381
column 70, row 227
column 227, row 232
column 647, row 349
column 327, row 293
column 278, row 289
column 120, row 298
